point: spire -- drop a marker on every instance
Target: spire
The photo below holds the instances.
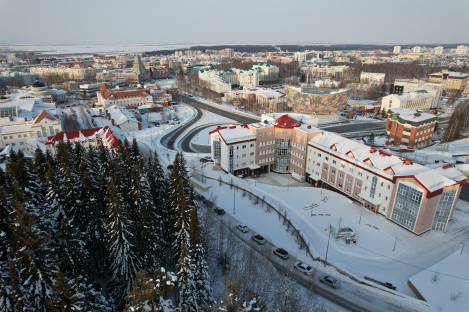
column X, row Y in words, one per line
column 139, row 68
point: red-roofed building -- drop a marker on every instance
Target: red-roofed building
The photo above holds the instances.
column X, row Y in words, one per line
column 104, row 135
column 128, row 98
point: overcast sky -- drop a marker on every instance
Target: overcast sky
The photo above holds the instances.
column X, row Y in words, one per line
column 233, row 22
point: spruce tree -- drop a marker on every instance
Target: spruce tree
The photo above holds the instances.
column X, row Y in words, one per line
column 121, row 251
column 199, row 264
column 62, row 297
column 186, row 283
column 32, row 260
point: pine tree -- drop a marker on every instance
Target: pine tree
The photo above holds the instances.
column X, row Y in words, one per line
column 7, row 299
column 123, row 259
column 148, row 292
column 181, row 226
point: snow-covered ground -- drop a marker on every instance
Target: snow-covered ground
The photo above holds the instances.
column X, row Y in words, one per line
column 450, row 292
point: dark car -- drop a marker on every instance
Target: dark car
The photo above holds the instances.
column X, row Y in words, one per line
column 329, row 281
column 170, row 167
column 258, row 239
column 203, row 160
column 282, row 253
column 219, row 211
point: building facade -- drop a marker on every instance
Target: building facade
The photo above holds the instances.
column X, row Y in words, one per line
column 453, row 81
column 420, row 100
column 410, row 128
column 410, row 85
column 130, row 98
column 397, row 50
column 319, row 101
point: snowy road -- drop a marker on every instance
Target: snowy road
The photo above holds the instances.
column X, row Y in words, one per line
column 350, row 296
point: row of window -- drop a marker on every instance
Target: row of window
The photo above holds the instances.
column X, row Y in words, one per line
column 266, row 152
column 266, row 160
column 266, row 143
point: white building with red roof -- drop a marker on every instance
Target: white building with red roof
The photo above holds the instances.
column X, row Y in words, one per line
column 108, row 136
column 416, row 197
column 129, row 98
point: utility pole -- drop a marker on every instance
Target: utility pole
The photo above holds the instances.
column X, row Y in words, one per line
column 360, row 217
column 234, row 200
column 395, row 241
column 463, row 244
column 327, row 249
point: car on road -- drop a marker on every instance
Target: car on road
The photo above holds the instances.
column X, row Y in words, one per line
column 170, row 167
column 203, row 160
column 329, row 281
column 282, row 253
column 209, row 158
column 303, row 268
column 219, row 211
column 199, row 197
column 258, row 239
column 243, row 228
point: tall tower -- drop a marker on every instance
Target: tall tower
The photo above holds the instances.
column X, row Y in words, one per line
column 140, row 69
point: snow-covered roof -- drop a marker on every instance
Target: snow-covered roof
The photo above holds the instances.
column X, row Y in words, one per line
column 234, row 134
column 411, row 115
column 408, row 96
column 120, row 114
column 382, row 162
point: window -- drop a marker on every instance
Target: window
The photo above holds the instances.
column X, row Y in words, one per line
column 339, row 185
column 341, row 175
column 327, row 158
column 389, row 187
column 324, row 177
column 244, row 155
column 331, row 180
column 349, row 179
column 334, row 162
column 332, row 171
column 347, row 190
column 351, row 169
column 359, row 184
column 325, row 167
column 252, row 153
column 244, row 146
column 360, row 174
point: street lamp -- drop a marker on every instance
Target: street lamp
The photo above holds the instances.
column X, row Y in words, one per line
column 327, row 249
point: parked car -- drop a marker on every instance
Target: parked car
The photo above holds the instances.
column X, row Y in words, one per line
column 243, row 228
column 258, row 239
column 170, row 167
column 303, row 268
column 329, row 281
column 203, row 160
column 282, row 253
column 219, row 210
column 209, row 158
column 199, row 197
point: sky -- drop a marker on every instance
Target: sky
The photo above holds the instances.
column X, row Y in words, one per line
column 233, row 22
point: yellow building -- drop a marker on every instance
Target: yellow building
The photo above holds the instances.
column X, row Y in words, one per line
column 453, row 81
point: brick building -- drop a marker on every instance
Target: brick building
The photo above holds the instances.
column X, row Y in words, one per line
column 409, row 128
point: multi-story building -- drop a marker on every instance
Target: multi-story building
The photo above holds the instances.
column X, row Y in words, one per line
column 159, row 72
column 439, row 50
column 267, row 72
column 372, row 78
column 24, row 121
column 420, row 100
column 324, row 71
column 409, row 85
column 413, row 196
column 397, row 50
column 461, row 50
column 77, row 74
column 18, row 78
column 128, row 98
column 417, row 49
column 409, row 128
column 140, row 70
column 453, row 81
column 271, row 100
column 320, row 101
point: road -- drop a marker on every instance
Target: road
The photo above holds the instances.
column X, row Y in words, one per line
column 349, row 295
column 231, row 115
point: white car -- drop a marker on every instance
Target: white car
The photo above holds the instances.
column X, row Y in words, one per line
column 303, row 268
column 258, row 239
column 242, row 228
